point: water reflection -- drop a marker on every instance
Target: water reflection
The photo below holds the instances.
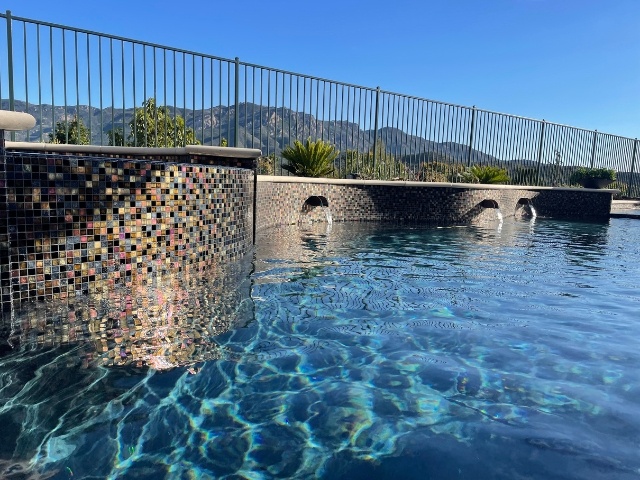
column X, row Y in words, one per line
column 584, row 243
column 162, row 325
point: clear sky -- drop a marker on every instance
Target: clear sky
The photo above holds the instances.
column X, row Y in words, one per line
column 575, row 62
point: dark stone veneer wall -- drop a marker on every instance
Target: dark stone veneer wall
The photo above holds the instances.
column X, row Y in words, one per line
column 81, row 223
column 281, row 201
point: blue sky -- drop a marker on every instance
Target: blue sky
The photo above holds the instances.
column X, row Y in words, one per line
column 575, row 62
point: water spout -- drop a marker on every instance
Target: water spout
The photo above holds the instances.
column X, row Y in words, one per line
column 315, row 209
column 527, row 208
column 327, row 213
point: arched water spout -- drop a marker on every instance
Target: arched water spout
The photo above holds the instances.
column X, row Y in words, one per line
column 316, row 209
column 524, row 207
column 489, row 203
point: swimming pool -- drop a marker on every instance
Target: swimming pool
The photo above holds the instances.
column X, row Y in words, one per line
column 503, row 351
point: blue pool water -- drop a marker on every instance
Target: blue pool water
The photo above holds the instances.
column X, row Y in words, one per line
column 509, row 351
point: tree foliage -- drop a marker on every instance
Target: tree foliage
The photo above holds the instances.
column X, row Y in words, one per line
column 116, row 137
column 438, row 171
column 267, row 164
column 154, row 126
column 73, row 132
column 383, row 166
column 311, row 159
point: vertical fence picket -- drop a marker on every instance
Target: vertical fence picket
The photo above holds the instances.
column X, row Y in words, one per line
column 544, row 124
column 236, row 106
column 633, row 164
column 471, row 130
column 593, row 148
column 375, row 126
column 12, row 105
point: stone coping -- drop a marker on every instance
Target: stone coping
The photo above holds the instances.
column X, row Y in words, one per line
column 16, row 121
column 403, row 183
column 622, row 204
column 227, row 152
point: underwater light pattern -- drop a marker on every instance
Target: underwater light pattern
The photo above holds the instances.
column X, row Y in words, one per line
column 371, row 352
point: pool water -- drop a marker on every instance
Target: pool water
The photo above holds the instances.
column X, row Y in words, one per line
column 508, row 351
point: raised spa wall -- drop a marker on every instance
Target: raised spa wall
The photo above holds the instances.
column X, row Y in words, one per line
column 78, row 220
column 287, row 200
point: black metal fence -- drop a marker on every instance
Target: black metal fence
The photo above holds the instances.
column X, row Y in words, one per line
column 88, row 87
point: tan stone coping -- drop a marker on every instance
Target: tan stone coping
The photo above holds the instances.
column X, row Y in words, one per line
column 227, row 152
column 16, row 121
column 622, row 204
column 403, row 183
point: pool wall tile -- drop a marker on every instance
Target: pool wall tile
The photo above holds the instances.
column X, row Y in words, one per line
column 74, row 224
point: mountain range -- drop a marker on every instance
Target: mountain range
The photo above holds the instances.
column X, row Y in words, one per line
column 267, row 128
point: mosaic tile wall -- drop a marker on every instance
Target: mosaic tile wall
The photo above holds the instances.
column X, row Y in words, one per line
column 574, row 203
column 283, row 203
column 72, row 225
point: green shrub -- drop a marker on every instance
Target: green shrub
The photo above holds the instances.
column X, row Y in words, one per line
column 488, row 174
column 525, row 176
column 467, row 176
column 583, row 173
column 311, row 159
column 266, row 165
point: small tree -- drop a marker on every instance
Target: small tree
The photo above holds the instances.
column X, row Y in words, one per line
column 116, row 137
column 153, row 126
column 73, row 132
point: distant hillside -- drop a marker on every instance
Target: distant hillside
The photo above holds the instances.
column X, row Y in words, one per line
column 269, row 129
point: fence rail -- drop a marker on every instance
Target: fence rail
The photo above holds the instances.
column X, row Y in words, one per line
column 88, row 87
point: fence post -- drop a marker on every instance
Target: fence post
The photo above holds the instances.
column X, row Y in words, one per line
column 593, row 148
column 375, row 128
column 633, row 165
column 237, row 104
column 544, row 124
column 471, row 130
column 12, row 105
